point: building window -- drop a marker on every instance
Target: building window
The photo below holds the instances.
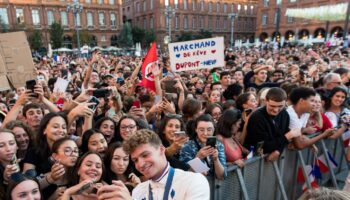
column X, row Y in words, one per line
column 144, row 6
column 50, row 17
column 176, row 6
column 78, row 20
column 218, row 23
column 64, row 18
column 290, row 19
column 252, row 9
column 185, row 22
column 176, row 22
column 88, row 1
column 100, row 2
column 210, row 7
column 210, row 23
column 232, row 8
column 138, row 7
column 194, row 23
column 202, row 5
column 35, row 17
column 264, row 19
column 202, row 22
column 113, row 20
column 90, row 20
column 144, row 23
column 103, row 38
column 239, row 7
column 194, row 4
column 292, row 1
column 185, row 4
column 278, row 2
column 225, row 8
column 217, row 7
column 111, row 2
column 245, row 8
column 151, row 4
column 3, row 16
column 101, row 19
column 151, row 23
column 19, row 15
column 225, row 24
column 266, row 3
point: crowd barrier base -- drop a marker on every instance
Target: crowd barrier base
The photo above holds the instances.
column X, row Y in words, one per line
column 263, row 180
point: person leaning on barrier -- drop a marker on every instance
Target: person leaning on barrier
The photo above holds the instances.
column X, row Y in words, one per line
column 302, row 101
column 270, row 124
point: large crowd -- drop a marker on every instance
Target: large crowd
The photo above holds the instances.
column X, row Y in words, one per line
column 107, row 136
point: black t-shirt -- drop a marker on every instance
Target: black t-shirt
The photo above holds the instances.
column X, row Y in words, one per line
column 263, row 127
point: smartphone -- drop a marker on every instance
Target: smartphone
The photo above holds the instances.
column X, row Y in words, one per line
column 30, row 85
column 211, row 141
column 180, row 134
column 157, row 99
column 137, row 104
column 100, row 93
column 248, row 111
column 94, row 100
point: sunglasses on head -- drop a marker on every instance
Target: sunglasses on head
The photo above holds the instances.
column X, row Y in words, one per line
column 18, row 176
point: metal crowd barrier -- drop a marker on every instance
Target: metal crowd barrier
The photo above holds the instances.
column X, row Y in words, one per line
column 263, row 180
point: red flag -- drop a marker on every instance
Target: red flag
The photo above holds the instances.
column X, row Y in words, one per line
column 151, row 59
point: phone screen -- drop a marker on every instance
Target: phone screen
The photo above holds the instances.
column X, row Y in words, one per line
column 94, row 100
column 211, row 141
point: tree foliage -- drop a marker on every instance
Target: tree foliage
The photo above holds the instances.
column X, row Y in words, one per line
column 56, row 35
column 138, row 34
column 85, row 38
column 125, row 36
column 150, row 37
column 34, row 40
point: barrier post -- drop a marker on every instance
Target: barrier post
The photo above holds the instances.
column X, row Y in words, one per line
column 279, row 178
column 306, row 176
column 325, row 151
column 242, row 183
column 260, row 177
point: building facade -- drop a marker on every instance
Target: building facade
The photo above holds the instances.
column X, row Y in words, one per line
column 294, row 28
column 101, row 18
column 193, row 16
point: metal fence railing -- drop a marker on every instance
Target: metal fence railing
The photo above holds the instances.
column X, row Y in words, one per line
column 263, row 180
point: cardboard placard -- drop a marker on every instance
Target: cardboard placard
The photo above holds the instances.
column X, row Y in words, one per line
column 197, row 54
column 16, row 59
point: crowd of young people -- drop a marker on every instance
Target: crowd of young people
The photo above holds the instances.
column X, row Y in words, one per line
column 109, row 137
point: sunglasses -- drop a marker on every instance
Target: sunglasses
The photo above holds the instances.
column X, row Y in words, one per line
column 18, row 176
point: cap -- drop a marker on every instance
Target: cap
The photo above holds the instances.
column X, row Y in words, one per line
column 108, row 75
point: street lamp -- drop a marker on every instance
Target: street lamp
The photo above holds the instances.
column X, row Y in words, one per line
column 169, row 13
column 232, row 16
column 76, row 9
column 278, row 18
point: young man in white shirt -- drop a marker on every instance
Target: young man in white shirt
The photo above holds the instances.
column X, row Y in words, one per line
column 302, row 100
column 148, row 154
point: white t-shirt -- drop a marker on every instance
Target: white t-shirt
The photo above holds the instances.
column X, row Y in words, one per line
column 295, row 121
column 185, row 185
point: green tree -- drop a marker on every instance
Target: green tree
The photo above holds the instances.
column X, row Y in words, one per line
column 203, row 34
column 150, row 37
column 185, row 36
column 34, row 40
column 138, row 34
column 85, row 38
column 125, row 36
column 56, row 35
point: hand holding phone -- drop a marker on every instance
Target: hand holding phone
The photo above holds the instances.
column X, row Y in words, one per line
column 211, row 141
column 137, row 104
column 30, row 85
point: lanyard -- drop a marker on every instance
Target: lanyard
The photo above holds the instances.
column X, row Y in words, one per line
column 169, row 181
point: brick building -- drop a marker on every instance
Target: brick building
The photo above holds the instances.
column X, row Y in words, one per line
column 101, row 18
column 294, row 27
column 193, row 16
